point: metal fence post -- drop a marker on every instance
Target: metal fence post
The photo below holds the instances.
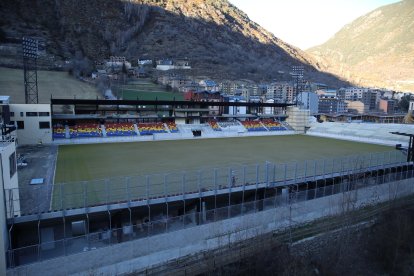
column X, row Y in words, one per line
column 215, row 194
column 107, row 191
column 85, row 194
column 230, row 185
column 61, row 196
column 257, row 184
column 183, row 196
column 244, row 187
column 199, row 175
column 147, row 187
column 296, row 171
column 306, row 169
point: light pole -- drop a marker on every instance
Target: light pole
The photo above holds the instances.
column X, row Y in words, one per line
column 297, row 75
column 30, row 54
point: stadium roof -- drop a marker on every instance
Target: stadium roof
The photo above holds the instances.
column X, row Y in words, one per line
column 160, row 102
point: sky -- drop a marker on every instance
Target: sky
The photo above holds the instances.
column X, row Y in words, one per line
column 316, row 20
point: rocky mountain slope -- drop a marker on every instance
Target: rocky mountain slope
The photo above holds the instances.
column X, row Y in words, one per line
column 376, row 49
column 219, row 39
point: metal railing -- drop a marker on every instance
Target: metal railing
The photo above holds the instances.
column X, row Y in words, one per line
column 106, row 237
column 192, row 184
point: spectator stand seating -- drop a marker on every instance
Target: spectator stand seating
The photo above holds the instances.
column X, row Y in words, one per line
column 85, row 130
column 120, row 129
column 273, row 125
column 214, row 125
column 151, row 128
column 253, row 126
column 59, row 131
column 172, row 127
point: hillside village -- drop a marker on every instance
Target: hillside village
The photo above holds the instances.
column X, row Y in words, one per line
column 176, row 77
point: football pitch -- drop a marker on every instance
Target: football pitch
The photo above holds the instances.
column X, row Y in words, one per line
column 113, row 172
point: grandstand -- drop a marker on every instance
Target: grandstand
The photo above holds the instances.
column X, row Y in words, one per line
column 364, row 132
column 253, row 126
column 151, row 128
column 85, row 130
column 214, row 125
column 172, row 127
column 59, row 131
column 272, row 125
column 120, row 129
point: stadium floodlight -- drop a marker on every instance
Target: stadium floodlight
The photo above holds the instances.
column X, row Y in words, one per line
column 30, row 53
column 297, row 75
column 30, row 47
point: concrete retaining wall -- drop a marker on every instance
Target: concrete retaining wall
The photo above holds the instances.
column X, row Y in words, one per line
column 169, row 136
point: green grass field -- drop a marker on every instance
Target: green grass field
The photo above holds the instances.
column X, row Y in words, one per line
column 145, row 90
column 58, row 84
column 133, row 94
column 84, row 168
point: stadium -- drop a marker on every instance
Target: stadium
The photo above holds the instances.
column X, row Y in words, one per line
column 157, row 181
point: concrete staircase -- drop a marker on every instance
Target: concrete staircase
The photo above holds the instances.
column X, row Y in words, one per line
column 103, row 129
column 67, row 135
column 167, row 128
column 136, row 129
column 263, row 126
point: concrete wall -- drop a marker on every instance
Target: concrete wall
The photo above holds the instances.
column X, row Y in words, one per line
column 297, row 118
column 10, row 182
column 3, row 225
column 32, row 134
column 143, row 253
column 171, row 136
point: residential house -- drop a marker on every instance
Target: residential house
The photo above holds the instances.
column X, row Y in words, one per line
column 209, row 85
column 387, row 105
column 331, row 104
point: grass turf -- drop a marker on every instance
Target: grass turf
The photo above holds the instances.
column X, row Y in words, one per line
column 133, row 94
column 78, row 163
column 58, row 84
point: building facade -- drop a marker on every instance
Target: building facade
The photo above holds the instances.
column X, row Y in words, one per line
column 33, row 122
column 357, row 107
column 330, row 105
column 310, row 101
column 387, row 106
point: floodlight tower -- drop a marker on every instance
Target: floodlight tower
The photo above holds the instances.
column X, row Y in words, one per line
column 297, row 76
column 30, row 54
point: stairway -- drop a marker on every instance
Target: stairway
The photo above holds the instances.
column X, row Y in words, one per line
column 264, row 126
column 103, row 129
column 167, row 128
column 67, row 134
column 136, row 129
column 286, row 125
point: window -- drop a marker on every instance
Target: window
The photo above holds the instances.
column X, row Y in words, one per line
column 44, row 114
column 11, row 123
column 12, row 163
column 20, row 124
column 31, row 114
column 11, row 114
column 43, row 125
column 21, row 114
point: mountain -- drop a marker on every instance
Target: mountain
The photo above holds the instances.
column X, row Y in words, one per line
column 220, row 41
column 376, row 49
